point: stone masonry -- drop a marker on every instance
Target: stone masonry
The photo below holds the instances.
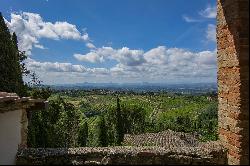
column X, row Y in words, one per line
column 233, row 78
column 211, row 153
column 14, row 122
column 12, row 102
column 163, row 148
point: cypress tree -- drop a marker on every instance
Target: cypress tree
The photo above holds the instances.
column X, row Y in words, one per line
column 21, row 55
column 103, row 137
column 10, row 68
column 21, row 68
column 119, row 124
column 83, row 135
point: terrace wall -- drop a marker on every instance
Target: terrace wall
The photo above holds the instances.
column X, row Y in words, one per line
column 13, row 124
column 212, row 153
column 10, row 138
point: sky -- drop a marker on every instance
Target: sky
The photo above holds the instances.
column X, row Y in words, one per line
column 119, row 41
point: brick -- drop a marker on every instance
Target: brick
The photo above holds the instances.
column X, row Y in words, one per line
column 233, row 154
column 232, row 160
column 228, row 73
column 235, row 142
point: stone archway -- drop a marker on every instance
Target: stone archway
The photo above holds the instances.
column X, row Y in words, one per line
column 233, row 78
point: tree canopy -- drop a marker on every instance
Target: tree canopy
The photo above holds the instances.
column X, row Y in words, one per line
column 11, row 62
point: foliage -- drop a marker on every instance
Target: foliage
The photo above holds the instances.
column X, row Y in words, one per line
column 133, row 118
column 102, row 132
column 42, row 93
column 83, row 135
column 98, row 119
column 199, row 117
column 11, row 66
column 207, row 123
column 119, row 123
column 56, row 127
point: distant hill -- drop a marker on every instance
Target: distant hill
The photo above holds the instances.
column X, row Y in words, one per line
column 141, row 87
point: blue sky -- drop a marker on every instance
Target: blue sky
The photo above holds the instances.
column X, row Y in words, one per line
column 76, row 41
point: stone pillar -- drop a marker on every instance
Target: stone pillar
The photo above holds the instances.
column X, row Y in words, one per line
column 233, row 78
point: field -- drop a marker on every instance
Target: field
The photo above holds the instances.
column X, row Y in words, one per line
column 145, row 112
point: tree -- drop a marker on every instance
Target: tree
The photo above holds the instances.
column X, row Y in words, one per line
column 71, row 121
column 133, row 119
column 55, row 127
column 42, row 93
column 119, row 123
column 21, row 55
column 102, row 133
column 46, row 127
column 12, row 64
column 10, row 68
column 83, row 135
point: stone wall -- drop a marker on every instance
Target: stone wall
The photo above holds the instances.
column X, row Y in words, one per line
column 211, row 153
column 233, row 78
column 13, row 124
column 169, row 148
column 10, row 136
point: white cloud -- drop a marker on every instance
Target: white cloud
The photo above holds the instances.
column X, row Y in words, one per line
column 90, row 45
column 99, row 71
column 39, row 46
column 159, row 64
column 189, row 19
column 91, row 57
column 129, row 57
column 54, row 67
column 209, row 12
column 157, row 55
column 123, row 56
column 211, row 32
column 206, row 58
column 30, row 27
column 57, row 73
